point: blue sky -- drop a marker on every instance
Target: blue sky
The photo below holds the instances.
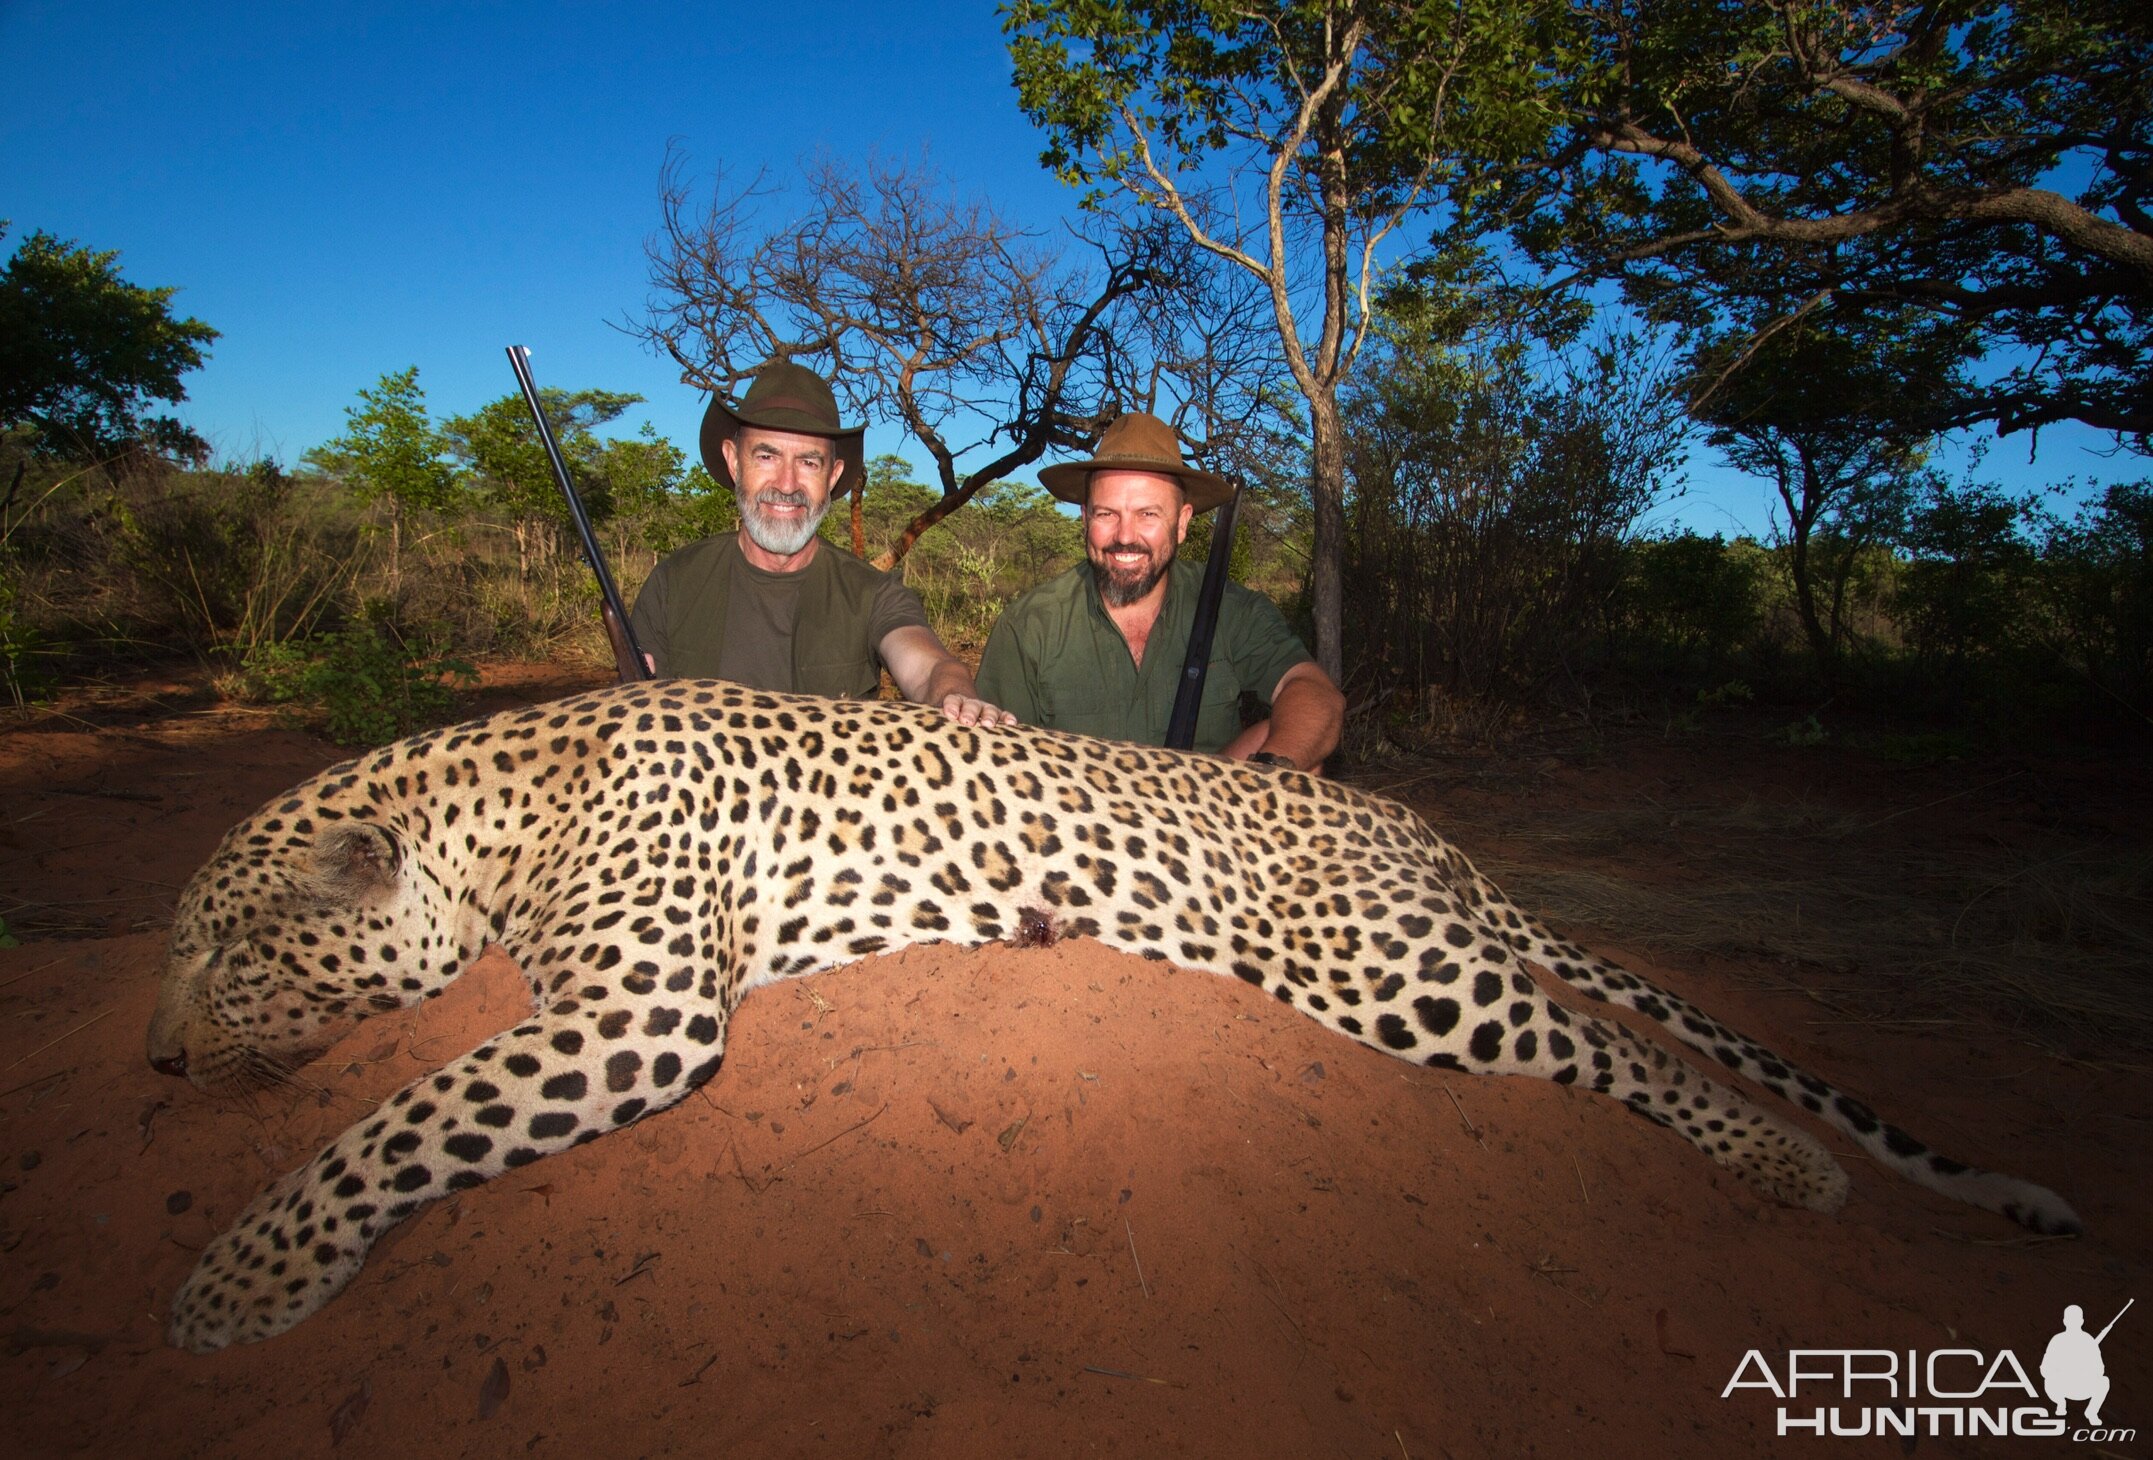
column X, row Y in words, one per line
column 344, row 190
column 347, row 189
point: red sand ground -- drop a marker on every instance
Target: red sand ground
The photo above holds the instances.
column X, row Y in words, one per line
column 996, row 1203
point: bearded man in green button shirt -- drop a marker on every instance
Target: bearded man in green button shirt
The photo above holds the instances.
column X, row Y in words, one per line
column 1099, row 649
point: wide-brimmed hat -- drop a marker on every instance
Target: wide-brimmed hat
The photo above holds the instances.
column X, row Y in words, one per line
column 784, row 397
column 1137, row 442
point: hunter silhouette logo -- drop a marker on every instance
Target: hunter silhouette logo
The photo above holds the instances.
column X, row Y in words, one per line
column 2072, row 1368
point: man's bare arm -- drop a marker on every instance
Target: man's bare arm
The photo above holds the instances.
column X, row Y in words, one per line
column 929, row 674
column 1307, row 715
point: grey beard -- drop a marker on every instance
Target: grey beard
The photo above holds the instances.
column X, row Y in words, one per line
column 775, row 537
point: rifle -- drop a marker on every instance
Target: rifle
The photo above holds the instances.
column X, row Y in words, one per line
column 2113, row 1322
column 1189, row 694
column 627, row 653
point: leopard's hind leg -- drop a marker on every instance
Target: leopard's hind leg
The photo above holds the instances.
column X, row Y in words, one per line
column 2030, row 1205
column 1378, row 936
column 1493, row 1024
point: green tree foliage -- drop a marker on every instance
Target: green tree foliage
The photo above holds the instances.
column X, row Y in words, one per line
column 1034, row 535
column 392, row 453
column 1740, row 163
column 2097, row 583
column 1019, row 528
column 499, row 442
column 643, row 472
column 1492, row 496
column 1289, row 139
column 1964, row 589
column 1010, row 537
column 83, row 352
column 1827, row 410
column 880, row 509
column 699, row 507
column 364, row 685
column 390, row 450
column 1691, row 604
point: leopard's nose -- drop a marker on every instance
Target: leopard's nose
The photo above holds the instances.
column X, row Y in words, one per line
column 170, row 1064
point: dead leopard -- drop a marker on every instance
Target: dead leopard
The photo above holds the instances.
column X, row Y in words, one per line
column 650, row 853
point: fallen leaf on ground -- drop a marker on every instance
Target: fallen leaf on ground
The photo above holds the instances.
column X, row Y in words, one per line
column 346, row 1416
column 494, row 1390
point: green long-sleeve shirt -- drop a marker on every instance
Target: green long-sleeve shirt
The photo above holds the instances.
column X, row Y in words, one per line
column 1056, row 659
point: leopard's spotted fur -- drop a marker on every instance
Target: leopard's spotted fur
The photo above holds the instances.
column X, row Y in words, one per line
column 651, row 853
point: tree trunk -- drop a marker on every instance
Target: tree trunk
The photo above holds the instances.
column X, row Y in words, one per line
column 396, row 550
column 1805, row 597
column 1804, row 506
column 1327, row 487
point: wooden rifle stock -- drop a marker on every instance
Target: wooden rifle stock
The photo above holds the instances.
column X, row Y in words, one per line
column 627, row 653
column 1189, row 693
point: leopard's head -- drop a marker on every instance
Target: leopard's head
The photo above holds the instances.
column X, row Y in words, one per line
column 296, row 927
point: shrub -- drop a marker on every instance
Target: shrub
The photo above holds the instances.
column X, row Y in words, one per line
column 1490, row 505
column 22, row 648
column 2097, row 586
column 228, row 559
column 1690, row 601
column 365, row 685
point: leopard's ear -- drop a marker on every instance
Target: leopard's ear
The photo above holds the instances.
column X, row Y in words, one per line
column 354, row 860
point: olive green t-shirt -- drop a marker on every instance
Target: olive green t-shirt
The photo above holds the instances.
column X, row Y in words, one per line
column 706, row 612
column 1056, row 659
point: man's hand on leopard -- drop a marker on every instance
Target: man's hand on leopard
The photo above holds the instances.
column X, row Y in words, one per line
column 971, row 710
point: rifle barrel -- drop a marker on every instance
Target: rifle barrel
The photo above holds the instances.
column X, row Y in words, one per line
column 631, row 664
column 2115, row 1320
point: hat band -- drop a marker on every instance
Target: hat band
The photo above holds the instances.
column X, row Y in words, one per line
column 784, row 403
column 1171, row 464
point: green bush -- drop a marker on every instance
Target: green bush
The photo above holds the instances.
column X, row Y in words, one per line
column 22, row 648
column 2097, row 590
column 365, row 686
column 227, row 559
column 1693, row 602
column 1803, row 733
column 1962, row 591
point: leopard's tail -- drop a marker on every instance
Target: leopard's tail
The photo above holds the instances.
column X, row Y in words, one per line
column 2031, row 1206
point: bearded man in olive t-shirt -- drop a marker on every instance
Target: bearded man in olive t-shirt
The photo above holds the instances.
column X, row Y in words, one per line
column 773, row 606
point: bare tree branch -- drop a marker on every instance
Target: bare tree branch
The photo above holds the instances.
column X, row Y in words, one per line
column 987, row 345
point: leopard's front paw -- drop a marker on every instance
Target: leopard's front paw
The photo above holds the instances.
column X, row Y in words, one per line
column 273, row 1267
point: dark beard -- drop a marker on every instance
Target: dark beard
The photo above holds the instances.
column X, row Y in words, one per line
column 1119, row 592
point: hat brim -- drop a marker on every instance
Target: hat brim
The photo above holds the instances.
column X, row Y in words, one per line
column 721, row 423
column 1200, row 489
